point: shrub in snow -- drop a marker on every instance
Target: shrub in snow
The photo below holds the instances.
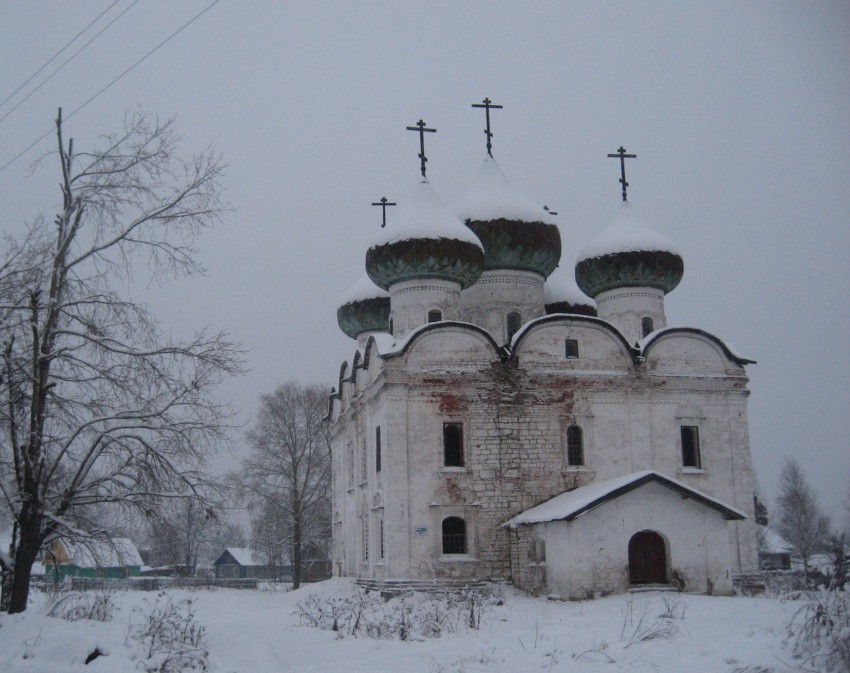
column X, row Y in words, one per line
column 820, row 632
column 99, row 606
column 168, row 637
column 640, row 626
column 416, row 616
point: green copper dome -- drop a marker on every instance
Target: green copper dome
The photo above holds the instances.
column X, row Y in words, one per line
column 422, row 241
column 516, row 233
column 629, row 253
column 365, row 308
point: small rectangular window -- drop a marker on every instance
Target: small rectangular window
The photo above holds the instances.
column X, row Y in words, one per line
column 690, row 446
column 453, row 444
column 572, row 349
column 378, row 449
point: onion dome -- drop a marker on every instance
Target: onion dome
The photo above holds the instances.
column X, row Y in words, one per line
column 365, row 308
column 561, row 295
column 629, row 253
column 424, row 240
column 515, row 232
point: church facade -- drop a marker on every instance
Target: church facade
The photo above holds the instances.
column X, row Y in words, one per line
column 493, row 425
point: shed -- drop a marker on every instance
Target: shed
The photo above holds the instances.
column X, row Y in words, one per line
column 111, row 558
column 643, row 529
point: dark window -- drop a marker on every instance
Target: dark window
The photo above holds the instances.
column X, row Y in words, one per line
column 435, row 316
column 572, row 348
column 378, row 449
column 391, row 325
column 453, row 444
column 575, row 446
column 646, row 326
column 382, row 538
column 690, row 446
column 454, row 535
column 514, row 322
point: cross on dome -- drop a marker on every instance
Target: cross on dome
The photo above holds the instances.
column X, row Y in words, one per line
column 384, row 203
column 421, row 127
column 621, row 154
column 487, row 104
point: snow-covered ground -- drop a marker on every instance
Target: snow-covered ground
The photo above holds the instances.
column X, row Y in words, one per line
column 258, row 632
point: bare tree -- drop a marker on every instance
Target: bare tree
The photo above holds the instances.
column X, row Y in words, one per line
column 97, row 406
column 288, row 469
column 800, row 519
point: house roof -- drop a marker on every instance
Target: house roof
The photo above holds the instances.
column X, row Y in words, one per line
column 97, row 553
column 243, row 556
column 773, row 543
column 572, row 504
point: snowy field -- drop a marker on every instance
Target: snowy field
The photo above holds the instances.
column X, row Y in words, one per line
column 259, row 632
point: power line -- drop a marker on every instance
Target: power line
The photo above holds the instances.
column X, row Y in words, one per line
column 67, row 61
column 56, row 55
column 141, row 60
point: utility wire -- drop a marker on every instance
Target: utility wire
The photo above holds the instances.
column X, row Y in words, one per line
column 67, row 61
column 141, row 60
column 56, row 55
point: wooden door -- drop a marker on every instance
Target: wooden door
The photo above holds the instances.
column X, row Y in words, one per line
column 647, row 558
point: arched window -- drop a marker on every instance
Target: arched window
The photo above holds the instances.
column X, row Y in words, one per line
column 453, row 444
column 575, row 445
column 435, row 315
column 391, row 325
column 646, row 326
column 454, row 535
column 514, row 322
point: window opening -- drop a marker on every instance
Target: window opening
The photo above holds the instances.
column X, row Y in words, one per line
column 690, row 446
column 572, row 349
column 365, row 540
column 378, row 449
column 382, row 539
column 514, row 322
column 453, row 444
column 454, row 535
column 646, row 326
column 575, row 445
column 435, row 315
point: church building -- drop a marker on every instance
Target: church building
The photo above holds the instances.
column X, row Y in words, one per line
column 497, row 423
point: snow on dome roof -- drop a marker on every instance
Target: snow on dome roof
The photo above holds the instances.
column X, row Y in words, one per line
column 629, row 253
column 516, row 233
column 424, row 241
column 627, row 233
column 561, row 288
column 423, row 215
column 492, row 197
column 363, row 289
column 364, row 308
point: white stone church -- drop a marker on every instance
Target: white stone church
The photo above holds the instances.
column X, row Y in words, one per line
column 493, row 425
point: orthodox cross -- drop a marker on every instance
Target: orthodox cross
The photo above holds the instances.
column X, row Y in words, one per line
column 621, row 153
column 551, row 212
column 384, row 203
column 487, row 104
column 420, row 126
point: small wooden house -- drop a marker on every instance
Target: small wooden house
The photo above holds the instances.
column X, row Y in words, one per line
column 112, row 558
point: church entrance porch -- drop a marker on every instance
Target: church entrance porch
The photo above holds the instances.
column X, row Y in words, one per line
column 647, row 558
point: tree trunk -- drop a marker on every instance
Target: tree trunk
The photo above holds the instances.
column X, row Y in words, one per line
column 296, row 553
column 29, row 544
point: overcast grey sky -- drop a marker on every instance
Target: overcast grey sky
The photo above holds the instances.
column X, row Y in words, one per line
column 739, row 113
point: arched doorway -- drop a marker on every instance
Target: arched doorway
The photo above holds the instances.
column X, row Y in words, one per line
column 647, row 558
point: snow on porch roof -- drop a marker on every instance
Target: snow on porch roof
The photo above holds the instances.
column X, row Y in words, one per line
column 573, row 504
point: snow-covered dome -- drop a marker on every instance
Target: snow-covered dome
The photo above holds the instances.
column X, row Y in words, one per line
column 561, row 295
column 516, row 233
column 424, row 240
column 628, row 253
column 365, row 308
